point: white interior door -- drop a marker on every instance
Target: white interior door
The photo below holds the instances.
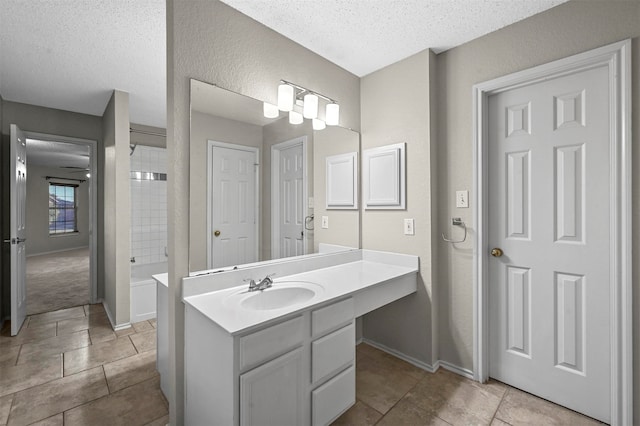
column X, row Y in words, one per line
column 18, row 200
column 234, row 239
column 291, row 202
column 549, row 212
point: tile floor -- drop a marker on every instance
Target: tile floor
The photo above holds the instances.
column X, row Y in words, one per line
column 390, row 391
column 68, row 367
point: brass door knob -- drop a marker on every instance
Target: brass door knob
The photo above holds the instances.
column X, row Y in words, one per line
column 216, row 233
column 496, row 252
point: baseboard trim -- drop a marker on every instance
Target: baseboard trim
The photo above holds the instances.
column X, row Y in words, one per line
column 456, row 369
column 421, row 364
column 113, row 324
column 57, row 251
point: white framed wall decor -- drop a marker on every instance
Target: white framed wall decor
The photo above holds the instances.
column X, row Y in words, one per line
column 342, row 181
column 384, row 177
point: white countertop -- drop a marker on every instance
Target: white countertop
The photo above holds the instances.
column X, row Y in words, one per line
column 337, row 281
column 162, row 279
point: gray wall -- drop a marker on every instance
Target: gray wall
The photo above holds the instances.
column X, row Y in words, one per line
column 396, row 108
column 212, row 42
column 116, row 197
column 206, row 127
column 565, row 30
column 38, row 239
column 50, row 121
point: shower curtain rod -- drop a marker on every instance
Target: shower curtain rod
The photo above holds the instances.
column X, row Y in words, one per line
column 144, row 132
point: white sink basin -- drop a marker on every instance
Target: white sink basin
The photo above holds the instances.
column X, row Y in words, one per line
column 280, row 295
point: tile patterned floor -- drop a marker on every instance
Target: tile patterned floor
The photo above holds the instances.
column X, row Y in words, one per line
column 392, row 392
column 68, row 367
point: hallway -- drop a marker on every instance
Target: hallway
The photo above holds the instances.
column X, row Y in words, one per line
column 57, row 280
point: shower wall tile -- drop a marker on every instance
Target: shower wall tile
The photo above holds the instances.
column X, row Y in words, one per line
column 148, row 206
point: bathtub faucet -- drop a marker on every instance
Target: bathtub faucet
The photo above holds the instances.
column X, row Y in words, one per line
column 133, row 259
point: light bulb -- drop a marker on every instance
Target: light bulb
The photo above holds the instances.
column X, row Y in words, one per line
column 295, row 117
column 285, row 97
column 310, row 108
column 333, row 114
column 270, row 110
column 318, row 124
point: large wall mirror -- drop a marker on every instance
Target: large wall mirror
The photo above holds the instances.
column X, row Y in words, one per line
column 258, row 185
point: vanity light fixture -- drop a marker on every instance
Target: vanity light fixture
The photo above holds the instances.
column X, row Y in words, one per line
column 295, row 117
column 286, row 95
column 270, row 110
column 294, row 98
column 318, row 124
column 310, row 106
column 333, row 114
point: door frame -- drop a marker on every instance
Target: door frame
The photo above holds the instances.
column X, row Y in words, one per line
column 275, row 190
column 215, row 144
column 617, row 58
column 93, row 201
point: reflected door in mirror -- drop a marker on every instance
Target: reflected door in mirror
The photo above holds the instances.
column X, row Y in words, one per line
column 233, row 235
column 291, row 202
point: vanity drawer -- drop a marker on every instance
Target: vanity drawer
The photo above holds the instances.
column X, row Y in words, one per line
column 333, row 352
column 328, row 318
column 334, row 397
column 275, row 340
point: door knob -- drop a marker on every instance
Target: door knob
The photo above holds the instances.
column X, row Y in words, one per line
column 496, row 252
column 216, row 233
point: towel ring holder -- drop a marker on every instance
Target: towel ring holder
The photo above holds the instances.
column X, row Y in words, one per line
column 456, row 221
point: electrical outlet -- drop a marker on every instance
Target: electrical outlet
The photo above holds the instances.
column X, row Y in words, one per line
column 325, row 222
column 409, row 227
column 462, row 199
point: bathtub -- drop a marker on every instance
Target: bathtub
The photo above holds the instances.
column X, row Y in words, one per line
column 143, row 290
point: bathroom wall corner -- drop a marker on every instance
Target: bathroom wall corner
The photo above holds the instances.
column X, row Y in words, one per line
column 395, row 108
column 116, row 199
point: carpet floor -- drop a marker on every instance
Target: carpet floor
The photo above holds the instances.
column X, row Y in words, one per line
column 57, row 280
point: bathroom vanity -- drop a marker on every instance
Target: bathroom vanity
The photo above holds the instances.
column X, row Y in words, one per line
column 284, row 355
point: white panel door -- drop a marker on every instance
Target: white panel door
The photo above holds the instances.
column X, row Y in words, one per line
column 233, row 207
column 18, row 201
column 549, row 212
column 291, row 202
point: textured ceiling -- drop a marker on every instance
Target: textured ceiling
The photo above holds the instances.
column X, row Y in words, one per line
column 71, row 54
column 363, row 36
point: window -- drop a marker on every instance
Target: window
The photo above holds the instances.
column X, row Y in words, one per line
column 62, row 209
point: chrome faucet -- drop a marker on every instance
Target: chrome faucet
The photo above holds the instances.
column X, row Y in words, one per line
column 265, row 283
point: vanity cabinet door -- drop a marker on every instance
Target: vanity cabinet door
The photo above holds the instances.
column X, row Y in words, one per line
column 272, row 394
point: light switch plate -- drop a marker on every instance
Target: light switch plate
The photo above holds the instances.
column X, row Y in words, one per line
column 409, row 227
column 325, row 222
column 310, row 203
column 462, row 199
